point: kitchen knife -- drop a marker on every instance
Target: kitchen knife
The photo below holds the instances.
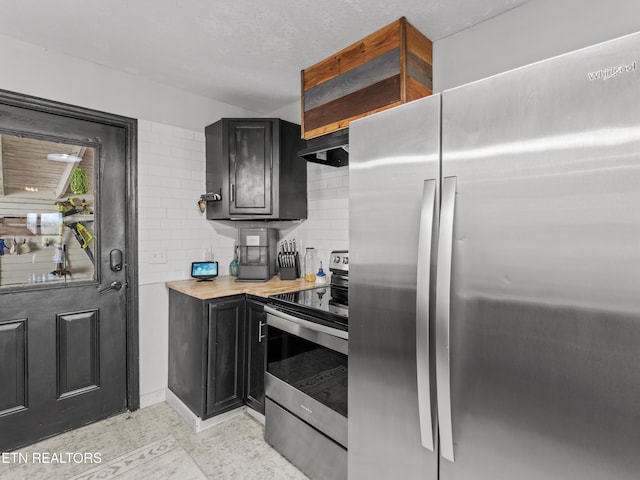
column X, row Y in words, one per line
column 295, row 253
column 286, row 253
column 283, row 247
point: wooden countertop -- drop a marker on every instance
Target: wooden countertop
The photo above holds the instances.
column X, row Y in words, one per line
column 227, row 286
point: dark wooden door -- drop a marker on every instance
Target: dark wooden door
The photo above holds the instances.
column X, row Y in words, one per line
column 250, row 167
column 63, row 342
column 256, row 355
column 225, row 356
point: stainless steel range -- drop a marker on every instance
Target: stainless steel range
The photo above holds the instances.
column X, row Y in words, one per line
column 306, row 379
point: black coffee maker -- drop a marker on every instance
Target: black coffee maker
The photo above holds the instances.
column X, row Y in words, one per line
column 257, row 252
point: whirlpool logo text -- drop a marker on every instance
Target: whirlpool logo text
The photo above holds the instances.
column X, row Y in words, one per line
column 609, row 73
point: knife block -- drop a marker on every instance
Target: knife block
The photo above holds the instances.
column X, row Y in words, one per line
column 291, row 273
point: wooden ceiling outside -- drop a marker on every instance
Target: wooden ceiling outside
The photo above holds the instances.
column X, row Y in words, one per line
column 26, row 172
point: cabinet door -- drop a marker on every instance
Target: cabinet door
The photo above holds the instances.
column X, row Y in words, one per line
column 256, row 355
column 250, row 167
column 225, row 356
column 187, row 331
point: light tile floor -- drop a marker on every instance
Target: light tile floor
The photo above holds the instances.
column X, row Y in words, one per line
column 234, row 449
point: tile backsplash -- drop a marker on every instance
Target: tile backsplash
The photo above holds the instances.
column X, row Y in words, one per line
column 327, row 226
column 171, row 230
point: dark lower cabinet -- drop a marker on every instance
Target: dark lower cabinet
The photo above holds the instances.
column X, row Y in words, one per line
column 217, row 355
column 225, row 356
column 256, row 354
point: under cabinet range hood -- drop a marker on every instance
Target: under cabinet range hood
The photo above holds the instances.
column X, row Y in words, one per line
column 331, row 149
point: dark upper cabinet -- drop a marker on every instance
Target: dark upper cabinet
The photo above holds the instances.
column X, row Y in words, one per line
column 253, row 164
column 256, row 354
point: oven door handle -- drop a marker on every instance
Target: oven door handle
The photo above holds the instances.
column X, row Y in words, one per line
column 326, row 336
column 307, row 324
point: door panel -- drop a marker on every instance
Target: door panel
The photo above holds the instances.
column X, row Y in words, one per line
column 75, row 367
column 78, row 353
column 545, row 326
column 225, row 357
column 250, row 167
column 256, row 355
column 13, row 366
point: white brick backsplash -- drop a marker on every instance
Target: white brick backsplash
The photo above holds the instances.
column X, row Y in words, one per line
column 183, row 173
column 164, row 130
column 180, row 152
column 183, row 133
column 170, row 160
column 171, row 178
column 144, row 126
column 154, row 213
column 156, row 148
column 327, row 226
column 160, row 171
column 192, row 185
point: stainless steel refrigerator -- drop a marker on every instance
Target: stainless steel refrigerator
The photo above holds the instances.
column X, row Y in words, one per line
column 494, row 318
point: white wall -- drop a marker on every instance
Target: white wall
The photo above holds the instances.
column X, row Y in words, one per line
column 327, row 227
column 291, row 112
column 172, row 231
column 171, row 234
column 534, row 31
column 33, row 70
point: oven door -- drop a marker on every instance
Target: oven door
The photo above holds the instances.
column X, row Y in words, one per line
column 307, row 371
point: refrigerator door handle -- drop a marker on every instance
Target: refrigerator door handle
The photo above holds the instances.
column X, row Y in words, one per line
column 427, row 222
column 443, row 305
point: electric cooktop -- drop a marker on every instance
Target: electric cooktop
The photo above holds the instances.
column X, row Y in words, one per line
column 315, row 302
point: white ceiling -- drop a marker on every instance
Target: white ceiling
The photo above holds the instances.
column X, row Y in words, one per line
column 247, row 53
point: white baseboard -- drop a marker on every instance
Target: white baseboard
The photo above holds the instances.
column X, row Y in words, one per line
column 152, row 398
column 257, row 415
column 192, row 420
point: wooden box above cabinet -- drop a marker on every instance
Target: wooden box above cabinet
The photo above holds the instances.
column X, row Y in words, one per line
column 253, row 164
column 389, row 67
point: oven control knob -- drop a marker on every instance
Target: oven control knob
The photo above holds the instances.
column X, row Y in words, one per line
column 336, row 259
column 345, row 260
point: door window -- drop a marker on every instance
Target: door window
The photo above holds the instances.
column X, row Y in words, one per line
column 47, row 212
